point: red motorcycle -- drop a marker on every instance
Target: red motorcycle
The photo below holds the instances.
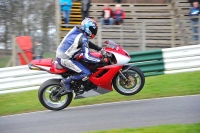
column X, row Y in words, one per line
column 116, row 73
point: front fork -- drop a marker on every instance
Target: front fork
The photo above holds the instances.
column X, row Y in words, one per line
column 121, row 72
column 123, row 76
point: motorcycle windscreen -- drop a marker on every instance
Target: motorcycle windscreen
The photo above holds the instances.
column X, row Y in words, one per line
column 92, row 93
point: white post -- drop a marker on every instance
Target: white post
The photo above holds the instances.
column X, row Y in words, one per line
column 13, row 50
column 12, row 61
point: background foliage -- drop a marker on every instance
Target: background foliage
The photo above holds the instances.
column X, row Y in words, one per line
column 34, row 18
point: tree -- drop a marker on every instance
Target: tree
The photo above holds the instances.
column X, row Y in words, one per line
column 25, row 18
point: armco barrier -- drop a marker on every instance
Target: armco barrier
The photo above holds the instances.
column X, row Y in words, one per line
column 170, row 60
column 150, row 62
column 20, row 78
column 156, row 62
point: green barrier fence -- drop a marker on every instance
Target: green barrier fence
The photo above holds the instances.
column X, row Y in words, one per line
column 150, row 62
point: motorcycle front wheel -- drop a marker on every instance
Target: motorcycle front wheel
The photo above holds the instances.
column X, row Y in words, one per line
column 47, row 95
column 133, row 83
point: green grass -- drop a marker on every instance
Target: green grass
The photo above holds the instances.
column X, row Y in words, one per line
column 157, row 86
column 178, row 128
column 49, row 55
column 3, row 61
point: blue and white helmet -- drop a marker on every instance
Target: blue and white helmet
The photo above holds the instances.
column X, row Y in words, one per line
column 90, row 27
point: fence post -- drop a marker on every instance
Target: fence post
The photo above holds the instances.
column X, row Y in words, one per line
column 180, row 26
column 172, row 33
column 13, row 58
column 143, row 46
column 174, row 14
column 140, row 36
column 57, row 22
column 183, row 34
column 100, row 35
column 12, row 61
column 13, row 50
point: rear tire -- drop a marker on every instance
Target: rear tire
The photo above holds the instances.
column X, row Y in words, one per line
column 135, row 84
column 45, row 95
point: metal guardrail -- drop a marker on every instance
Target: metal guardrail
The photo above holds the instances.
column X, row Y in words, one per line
column 170, row 60
column 156, row 62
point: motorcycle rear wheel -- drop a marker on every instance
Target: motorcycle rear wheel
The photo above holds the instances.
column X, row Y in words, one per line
column 46, row 95
column 135, row 83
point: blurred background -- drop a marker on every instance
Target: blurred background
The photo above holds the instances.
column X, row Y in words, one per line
column 26, row 18
column 146, row 25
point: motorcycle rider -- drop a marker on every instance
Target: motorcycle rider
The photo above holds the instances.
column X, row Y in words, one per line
column 76, row 42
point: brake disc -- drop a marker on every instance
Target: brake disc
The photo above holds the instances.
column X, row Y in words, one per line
column 129, row 83
column 52, row 96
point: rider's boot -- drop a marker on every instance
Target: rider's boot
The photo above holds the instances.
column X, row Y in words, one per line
column 66, row 83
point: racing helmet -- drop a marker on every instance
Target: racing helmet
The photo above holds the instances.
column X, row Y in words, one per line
column 89, row 27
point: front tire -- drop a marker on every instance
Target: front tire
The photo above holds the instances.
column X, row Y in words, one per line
column 46, row 95
column 134, row 84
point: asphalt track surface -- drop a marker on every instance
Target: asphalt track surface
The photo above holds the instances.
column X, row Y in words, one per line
column 136, row 113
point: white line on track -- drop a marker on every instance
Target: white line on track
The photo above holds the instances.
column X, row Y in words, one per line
column 84, row 106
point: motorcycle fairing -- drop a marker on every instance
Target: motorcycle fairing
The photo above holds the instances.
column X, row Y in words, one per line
column 46, row 65
column 121, row 56
column 91, row 93
column 55, row 70
column 118, row 50
column 43, row 62
column 105, row 80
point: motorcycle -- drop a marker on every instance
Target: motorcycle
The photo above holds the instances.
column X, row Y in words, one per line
column 115, row 74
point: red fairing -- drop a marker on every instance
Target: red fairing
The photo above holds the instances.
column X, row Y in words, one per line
column 43, row 62
column 48, row 63
column 95, row 54
column 105, row 81
column 54, row 70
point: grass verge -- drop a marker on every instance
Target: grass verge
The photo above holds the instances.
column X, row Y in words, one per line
column 49, row 55
column 3, row 61
column 156, row 86
column 178, row 128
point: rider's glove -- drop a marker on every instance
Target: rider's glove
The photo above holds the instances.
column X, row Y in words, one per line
column 104, row 61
